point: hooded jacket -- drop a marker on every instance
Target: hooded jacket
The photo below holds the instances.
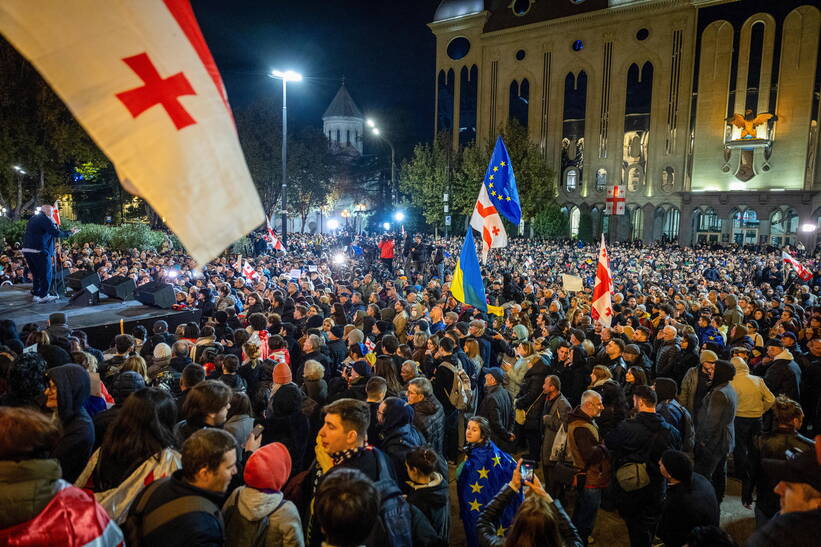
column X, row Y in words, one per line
column 783, row 376
column 754, row 398
column 732, row 313
column 398, row 436
column 674, row 413
column 715, row 431
column 433, row 499
column 75, row 445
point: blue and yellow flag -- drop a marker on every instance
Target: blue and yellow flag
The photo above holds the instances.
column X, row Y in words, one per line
column 501, row 184
column 485, row 471
column 467, row 286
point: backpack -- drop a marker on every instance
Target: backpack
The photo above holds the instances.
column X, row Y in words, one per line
column 252, row 534
column 394, row 525
column 460, row 394
column 137, row 524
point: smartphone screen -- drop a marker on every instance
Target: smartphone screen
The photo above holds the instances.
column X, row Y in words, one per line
column 527, row 470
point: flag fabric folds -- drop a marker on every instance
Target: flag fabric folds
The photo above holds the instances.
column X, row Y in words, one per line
column 55, row 213
column 138, row 76
column 486, row 470
column 249, row 273
column 602, row 308
column 467, row 286
column 799, row 268
column 486, row 221
column 271, row 237
column 500, row 182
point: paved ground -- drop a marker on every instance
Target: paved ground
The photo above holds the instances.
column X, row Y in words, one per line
column 610, row 529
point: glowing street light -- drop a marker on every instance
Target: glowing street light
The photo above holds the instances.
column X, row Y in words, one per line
column 387, row 226
column 286, row 76
column 339, row 259
column 375, row 130
column 333, row 224
column 399, row 216
column 809, row 227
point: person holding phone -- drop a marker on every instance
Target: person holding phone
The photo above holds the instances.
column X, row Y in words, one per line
column 539, row 516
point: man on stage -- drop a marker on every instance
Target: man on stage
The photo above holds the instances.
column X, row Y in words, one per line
column 38, row 249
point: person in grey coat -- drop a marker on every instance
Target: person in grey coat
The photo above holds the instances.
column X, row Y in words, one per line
column 497, row 407
column 715, row 431
column 554, row 414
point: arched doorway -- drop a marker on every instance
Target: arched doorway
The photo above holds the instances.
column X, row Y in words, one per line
column 636, row 224
column 670, row 224
column 706, row 226
column 783, row 226
column 745, row 226
column 574, row 220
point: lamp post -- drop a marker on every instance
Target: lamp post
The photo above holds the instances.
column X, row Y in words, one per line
column 286, row 76
column 375, row 130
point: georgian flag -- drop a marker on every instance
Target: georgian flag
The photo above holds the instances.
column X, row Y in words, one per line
column 602, row 308
column 486, row 221
column 249, row 273
column 802, row 272
column 138, row 76
column 55, row 213
column 271, row 237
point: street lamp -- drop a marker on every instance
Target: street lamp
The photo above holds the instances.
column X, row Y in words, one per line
column 286, row 76
column 375, row 130
column 333, row 224
column 399, row 216
column 386, row 225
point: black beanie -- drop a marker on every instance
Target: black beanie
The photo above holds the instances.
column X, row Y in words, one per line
column 666, row 388
column 724, row 372
column 678, row 465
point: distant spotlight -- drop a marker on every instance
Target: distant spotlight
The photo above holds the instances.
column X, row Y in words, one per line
column 287, row 75
column 386, row 225
column 370, row 123
column 333, row 224
column 375, row 131
column 171, row 273
column 399, row 216
column 339, row 258
column 808, row 227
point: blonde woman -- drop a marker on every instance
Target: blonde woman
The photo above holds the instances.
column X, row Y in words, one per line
column 137, row 364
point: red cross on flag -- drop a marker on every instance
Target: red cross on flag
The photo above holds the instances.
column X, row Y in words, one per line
column 486, row 220
column 55, row 213
column 138, row 76
column 271, row 237
column 249, row 273
column 602, row 308
column 615, row 200
column 799, row 268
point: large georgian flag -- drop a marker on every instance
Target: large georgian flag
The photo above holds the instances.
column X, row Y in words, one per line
column 602, row 308
column 138, row 76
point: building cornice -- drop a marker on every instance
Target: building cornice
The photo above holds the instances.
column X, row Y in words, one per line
column 463, row 22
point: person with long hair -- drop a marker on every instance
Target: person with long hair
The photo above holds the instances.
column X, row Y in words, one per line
column 138, row 447
column 540, row 521
column 385, row 368
column 485, row 471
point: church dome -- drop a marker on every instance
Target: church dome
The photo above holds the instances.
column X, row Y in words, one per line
column 448, row 9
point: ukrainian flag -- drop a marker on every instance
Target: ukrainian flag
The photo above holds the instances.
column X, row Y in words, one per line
column 467, row 286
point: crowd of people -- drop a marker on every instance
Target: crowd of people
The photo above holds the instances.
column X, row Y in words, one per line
column 332, row 394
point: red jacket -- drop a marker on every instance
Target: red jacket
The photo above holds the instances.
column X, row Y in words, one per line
column 386, row 248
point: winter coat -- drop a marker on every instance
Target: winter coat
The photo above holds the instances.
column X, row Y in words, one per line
column 695, row 382
column 531, row 396
column 429, row 419
column 732, row 313
column 320, row 358
column 685, row 507
column 433, row 499
column 497, row 407
column 715, row 430
column 38, row 508
column 398, row 436
column 754, row 398
column 774, row 445
column 77, row 440
column 240, row 426
column 487, row 524
column 554, row 414
column 666, row 357
column 285, row 423
column 246, row 506
column 783, row 376
column 678, row 417
column 798, row 529
column 686, row 359
column 587, row 450
column 187, row 529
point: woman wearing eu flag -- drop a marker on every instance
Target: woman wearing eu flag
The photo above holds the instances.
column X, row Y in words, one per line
column 481, row 476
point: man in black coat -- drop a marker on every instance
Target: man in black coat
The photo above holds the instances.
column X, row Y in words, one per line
column 337, row 350
column 783, row 375
column 38, row 250
column 497, row 407
column 690, row 500
column 429, row 418
column 637, row 442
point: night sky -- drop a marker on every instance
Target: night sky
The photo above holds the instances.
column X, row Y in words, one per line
column 384, row 49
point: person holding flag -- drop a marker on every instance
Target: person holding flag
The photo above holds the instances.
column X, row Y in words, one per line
column 498, row 197
column 38, row 250
column 467, row 286
column 803, row 273
column 271, row 237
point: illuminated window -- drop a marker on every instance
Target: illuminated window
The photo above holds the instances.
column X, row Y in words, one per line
column 575, row 218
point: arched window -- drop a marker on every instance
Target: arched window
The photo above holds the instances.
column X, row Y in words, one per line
column 468, row 97
column 337, row 135
column 601, row 180
column 783, row 226
column 518, row 105
column 571, row 179
column 445, row 107
column 575, row 219
column 754, row 66
column 575, row 108
column 669, row 228
column 636, row 224
column 708, row 221
column 639, row 95
column 348, row 136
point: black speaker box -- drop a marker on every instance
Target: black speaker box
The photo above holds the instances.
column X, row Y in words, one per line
column 119, row 287
column 81, row 279
column 157, row 294
column 89, row 296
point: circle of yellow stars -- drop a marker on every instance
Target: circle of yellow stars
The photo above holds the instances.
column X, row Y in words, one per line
column 493, row 193
column 476, row 488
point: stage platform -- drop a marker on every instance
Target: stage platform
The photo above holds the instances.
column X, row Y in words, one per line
column 101, row 322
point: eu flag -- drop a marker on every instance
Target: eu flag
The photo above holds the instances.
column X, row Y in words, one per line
column 485, row 471
column 501, row 184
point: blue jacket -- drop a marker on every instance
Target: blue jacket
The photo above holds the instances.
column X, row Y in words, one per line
column 40, row 234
